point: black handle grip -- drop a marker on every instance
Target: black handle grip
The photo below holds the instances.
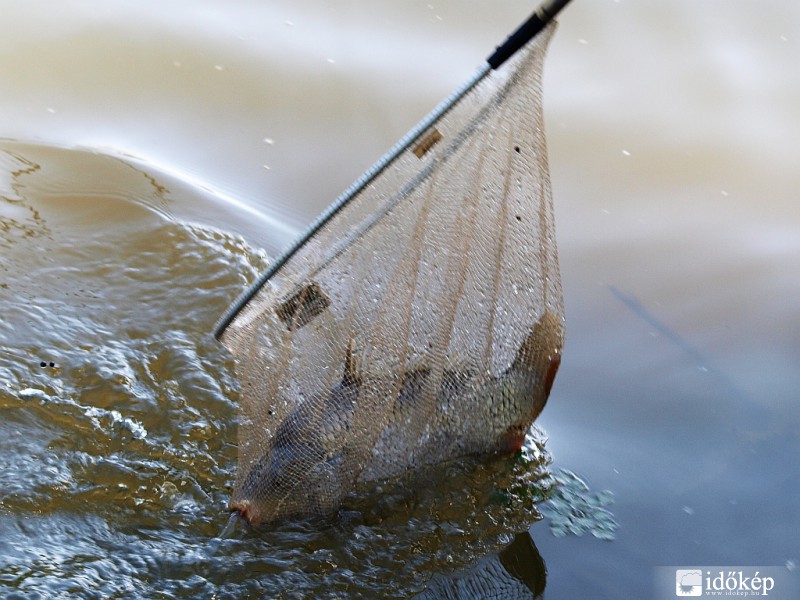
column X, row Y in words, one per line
column 537, row 21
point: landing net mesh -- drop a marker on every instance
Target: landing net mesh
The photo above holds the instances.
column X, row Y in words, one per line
column 423, row 322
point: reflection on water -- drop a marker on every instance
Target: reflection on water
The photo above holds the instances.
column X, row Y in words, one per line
column 517, row 571
column 672, row 131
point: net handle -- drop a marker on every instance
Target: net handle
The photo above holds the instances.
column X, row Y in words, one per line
column 526, row 32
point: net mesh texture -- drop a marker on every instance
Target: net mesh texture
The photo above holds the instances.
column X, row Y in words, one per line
column 423, row 322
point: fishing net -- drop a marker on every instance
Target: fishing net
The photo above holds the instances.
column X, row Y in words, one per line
column 423, row 322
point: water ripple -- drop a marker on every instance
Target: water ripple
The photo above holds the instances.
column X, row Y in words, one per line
column 118, row 428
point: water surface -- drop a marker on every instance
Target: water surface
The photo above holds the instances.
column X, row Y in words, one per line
column 166, row 150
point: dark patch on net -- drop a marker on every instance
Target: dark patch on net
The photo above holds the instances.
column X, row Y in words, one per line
column 426, row 143
column 303, row 306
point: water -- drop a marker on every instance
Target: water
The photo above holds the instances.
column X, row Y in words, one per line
column 119, row 429
column 143, row 197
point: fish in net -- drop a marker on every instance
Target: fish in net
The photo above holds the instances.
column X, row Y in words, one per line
column 422, row 320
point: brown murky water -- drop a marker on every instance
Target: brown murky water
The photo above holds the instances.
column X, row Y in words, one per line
column 157, row 153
